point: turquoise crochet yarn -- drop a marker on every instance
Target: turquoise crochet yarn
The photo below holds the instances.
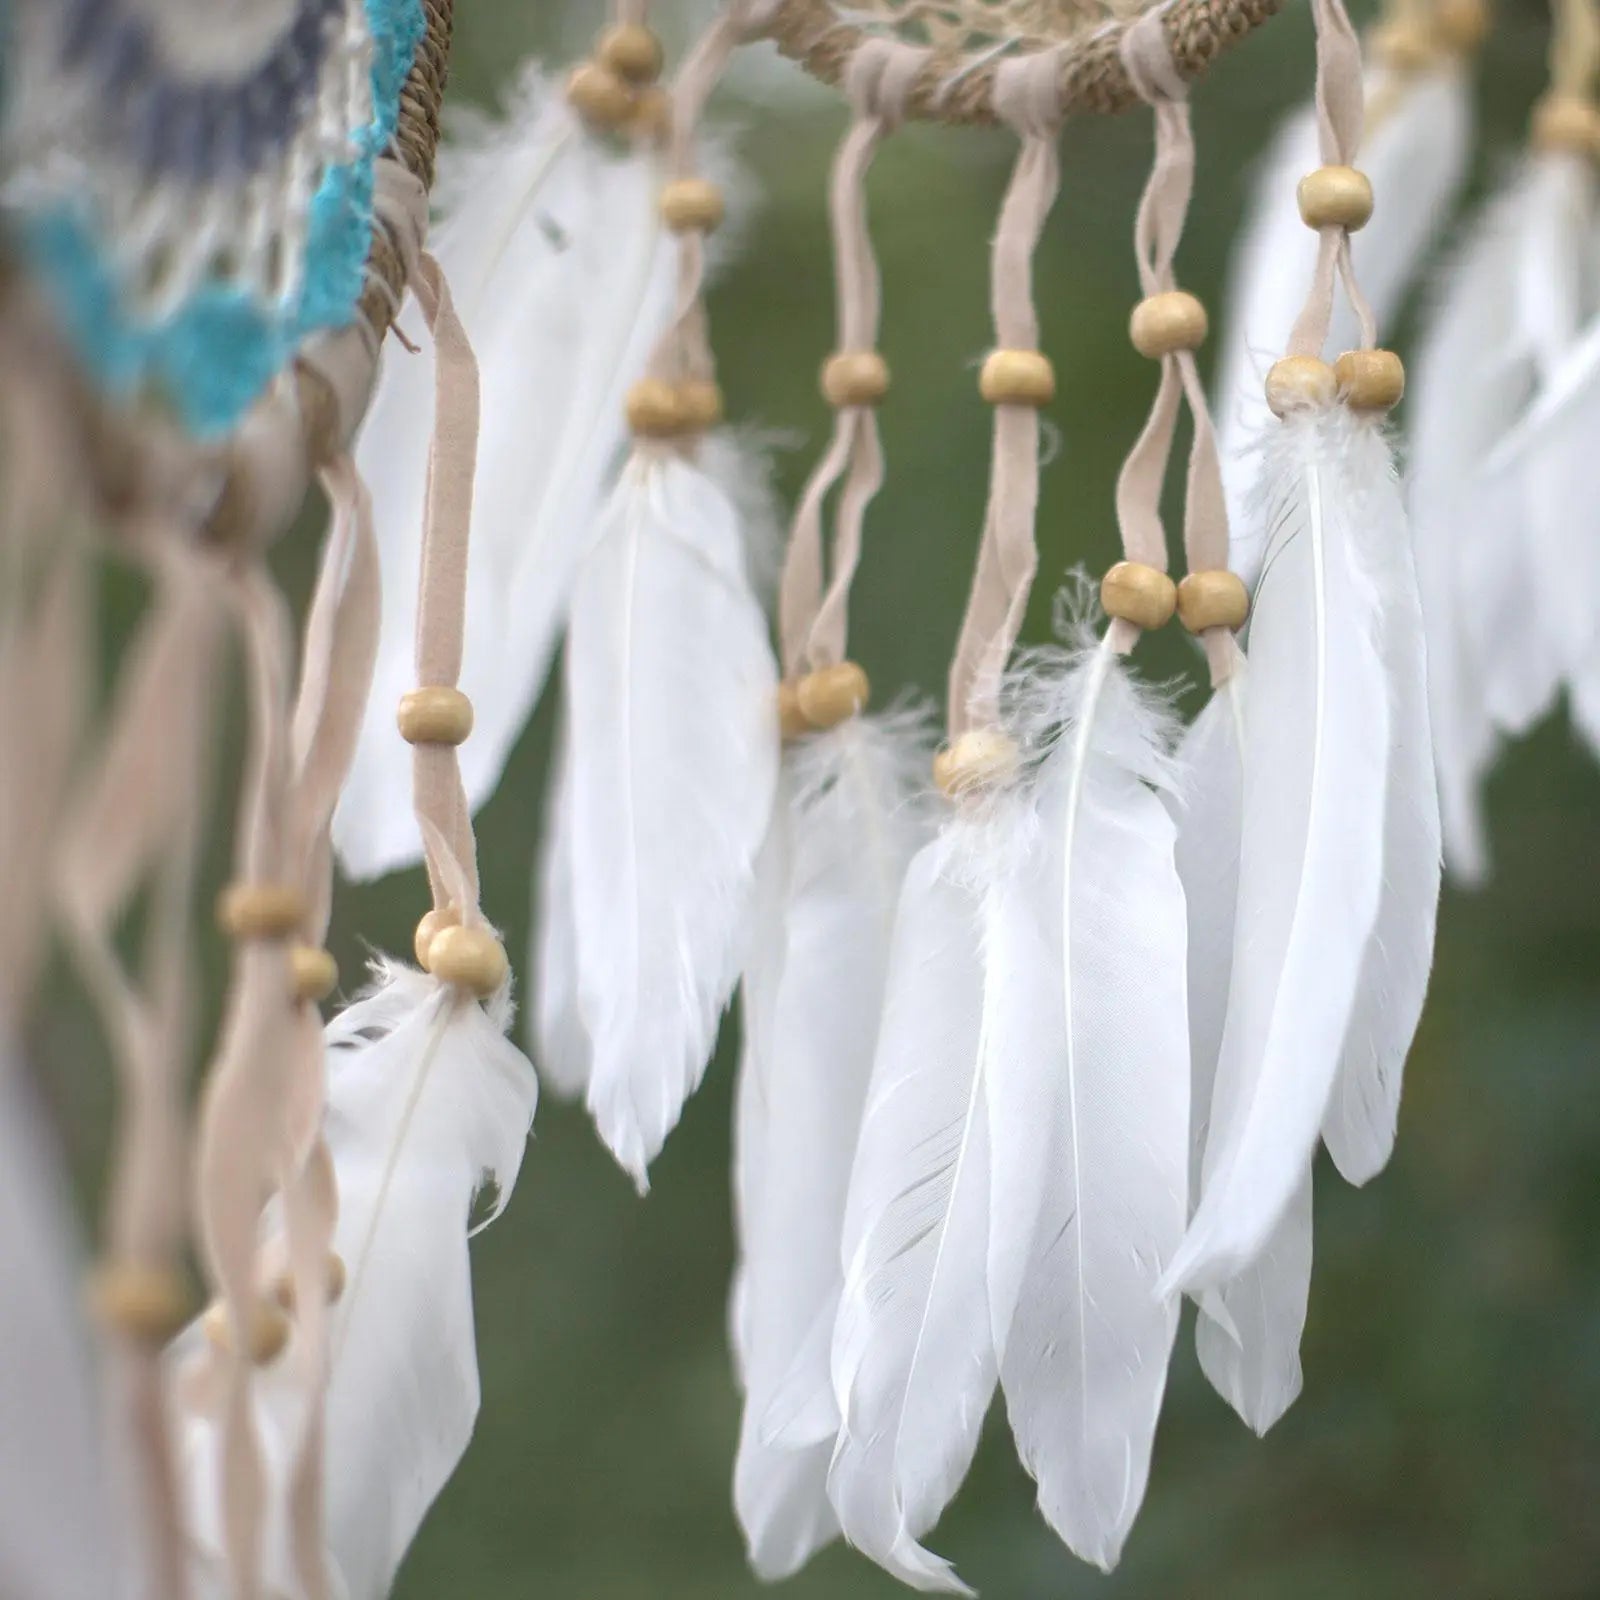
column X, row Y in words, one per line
column 216, row 353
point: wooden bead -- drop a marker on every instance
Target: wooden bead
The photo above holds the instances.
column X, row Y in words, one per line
column 434, row 715
column 692, row 205
column 599, row 96
column 831, row 695
column 1165, row 323
column 1216, row 599
column 314, row 972
column 149, row 1304
column 981, row 758
column 700, row 401
column 1335, row 197
column 283, row 1284
column 260, row 910
column 855, row 378
column 1017, row 378
column 267, row 1337
column 470, row 958
column 1298, row 383
column 652, row 115
column 1403, row 47
column 1564, row 122
column 792, row 722
column 430, row 924
column 631, row 51
column 1139, row 594
column 1370, row 380
column 655, row 410
column 1461, row 25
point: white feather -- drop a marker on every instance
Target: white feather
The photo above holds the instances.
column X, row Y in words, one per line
column 562, row 275
column 1311, row 857
column 1359, row 1124
column 1416, row 156
column 914, row 1361
column 1248, row 1331
column 671, row 765
column 560, row 1042
column 428, row 1112
column 842, row 839
column 1089, row 1103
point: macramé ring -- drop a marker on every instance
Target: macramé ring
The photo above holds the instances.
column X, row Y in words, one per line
column 1017, row 378
column 434, row 714
column 1144, row 596
column 1214, row 599
column 1163, row 324
column 980, row 758
column 260, row 910
column 1335, row 197
column 855, row 378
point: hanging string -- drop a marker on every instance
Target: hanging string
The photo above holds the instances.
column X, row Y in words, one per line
column 1027, row 97
column 1574, row 48
column 813, row 626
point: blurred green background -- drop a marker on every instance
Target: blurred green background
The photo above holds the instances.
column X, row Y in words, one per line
column 1448, row 1440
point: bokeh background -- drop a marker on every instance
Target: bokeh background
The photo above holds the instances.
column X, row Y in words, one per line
column 1448, row 1439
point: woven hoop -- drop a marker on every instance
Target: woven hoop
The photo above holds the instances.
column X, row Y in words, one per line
column 956, row 85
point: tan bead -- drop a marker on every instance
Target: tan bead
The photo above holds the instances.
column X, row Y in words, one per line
column 149, row 1304
column 260, row 910
column 1403, row 47
column 599, row 96
column 981, row 758
column 832, row 695
column 855, row 378
column 1298, row 383
column 1461, row 25
column 631, row 51
column 652, row 115
column 1165, row 323
column 1139, row 594
column 1564, row 122
column 1017, row 378
column 268, row 1333
column 470, row 958
column 655, row 410
column 283, row 1284
column 1216, row 599
column 700, row 401
column 428, row 926
column 434, row 715
column 314, row 972
column 692, row 205
column 792, row 722
column 1335, row 197
column 1370, row 380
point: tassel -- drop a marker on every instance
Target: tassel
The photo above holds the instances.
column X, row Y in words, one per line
column 667, row 787
column 563, row 278
column 847, row 827
column 428, row 1109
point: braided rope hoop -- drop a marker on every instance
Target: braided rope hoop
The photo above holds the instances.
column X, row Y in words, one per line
column 965, row 41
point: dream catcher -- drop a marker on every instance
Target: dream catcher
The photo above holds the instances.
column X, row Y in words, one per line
column 1043, row 1023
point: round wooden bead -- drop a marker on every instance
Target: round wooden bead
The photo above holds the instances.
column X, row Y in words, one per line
column 1139, row 594
column 980, row 758
column 434, row 715
column 470, row 958
column 283, row 1284
column 1299, row 382
column 831, row 695
column 149, row 1304
column 631, row 51
column 1017, row 378
column 700, row 401
column 1370, row 380
column 692, row 205
column 1335, row 197
column 1216, row 599
column 855, row 378
column 1166, row 323
column 314, row 972
column 1566, row 122
column 655, row 410
column 1461, row 25
column 267, row 1336
column 1403, row 47
column 428, row 926
column 260, row 910
column 791, row 719
column 651, row 118
column 599, row 96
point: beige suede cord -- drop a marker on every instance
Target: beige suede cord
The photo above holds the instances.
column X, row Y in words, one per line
column 1340, row 113
column 813, row 624
column 1027, row 97
column 1574, row 48
column 1158, row 228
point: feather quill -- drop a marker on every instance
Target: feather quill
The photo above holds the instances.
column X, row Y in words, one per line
column 670, row 771
column 847, row 827
column 428, row 1111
